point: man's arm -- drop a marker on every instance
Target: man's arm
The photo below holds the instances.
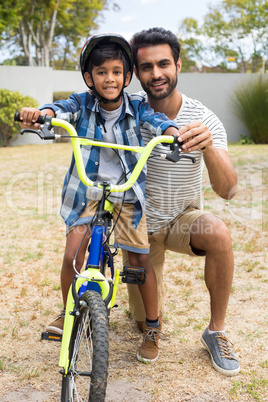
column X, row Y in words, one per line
column 222, row 175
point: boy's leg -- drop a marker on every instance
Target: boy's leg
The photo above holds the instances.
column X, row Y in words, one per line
column 73, row 240
column 149, row 349
column 148, row 290
column 157, row 259
column 135, row 241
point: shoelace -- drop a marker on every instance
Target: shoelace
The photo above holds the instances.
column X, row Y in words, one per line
column 152, row 334
column 61, row 315
column 224, row 347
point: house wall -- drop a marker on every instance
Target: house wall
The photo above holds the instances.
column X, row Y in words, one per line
column 215, row 90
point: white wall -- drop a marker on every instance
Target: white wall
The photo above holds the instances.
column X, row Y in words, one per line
column 215, row 90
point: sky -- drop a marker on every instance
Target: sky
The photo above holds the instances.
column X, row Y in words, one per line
column 135, row 15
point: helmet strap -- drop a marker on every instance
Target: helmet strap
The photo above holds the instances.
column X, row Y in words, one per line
column 104, row 100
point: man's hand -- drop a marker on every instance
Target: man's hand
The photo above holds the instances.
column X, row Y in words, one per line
column 195, row 136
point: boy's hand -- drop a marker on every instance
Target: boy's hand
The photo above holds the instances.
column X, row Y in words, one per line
column 28, row 116
column 171, row 131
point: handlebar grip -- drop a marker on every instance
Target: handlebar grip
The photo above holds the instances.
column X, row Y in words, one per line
column 41, row 119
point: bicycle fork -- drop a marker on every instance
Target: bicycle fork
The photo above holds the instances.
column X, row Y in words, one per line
column 93, row 279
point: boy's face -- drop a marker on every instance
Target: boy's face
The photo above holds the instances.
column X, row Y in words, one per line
column 108, row 79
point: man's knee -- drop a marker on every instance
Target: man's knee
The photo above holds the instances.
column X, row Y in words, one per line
column 221, row 235
column 210, row 232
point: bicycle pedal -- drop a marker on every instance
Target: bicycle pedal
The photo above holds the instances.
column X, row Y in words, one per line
column 50, row 337
column 133, row 275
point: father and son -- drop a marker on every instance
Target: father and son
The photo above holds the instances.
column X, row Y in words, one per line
column 173, row 218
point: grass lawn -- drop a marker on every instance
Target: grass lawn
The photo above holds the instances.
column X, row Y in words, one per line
column 31, row 251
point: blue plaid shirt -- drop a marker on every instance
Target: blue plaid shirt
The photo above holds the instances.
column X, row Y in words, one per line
column 83, row 111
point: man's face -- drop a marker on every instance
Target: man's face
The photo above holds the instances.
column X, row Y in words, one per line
column 157, row 71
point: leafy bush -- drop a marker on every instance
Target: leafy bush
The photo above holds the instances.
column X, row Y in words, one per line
column 10, row 102
column 245, row 140
column 61, row 95
column 251, row 106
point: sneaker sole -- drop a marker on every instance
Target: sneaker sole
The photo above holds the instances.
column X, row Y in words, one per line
column 146, row 361
column 227, row 373
column 54, row 330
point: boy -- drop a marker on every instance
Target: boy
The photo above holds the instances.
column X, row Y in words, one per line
column 108, row 113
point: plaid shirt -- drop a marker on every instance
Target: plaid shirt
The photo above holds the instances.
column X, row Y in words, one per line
column 82, row 110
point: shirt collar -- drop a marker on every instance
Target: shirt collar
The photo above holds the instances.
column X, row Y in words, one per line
column 126, row 109
column 93, row 103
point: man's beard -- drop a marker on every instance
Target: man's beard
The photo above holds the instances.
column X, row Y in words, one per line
column 162, row 94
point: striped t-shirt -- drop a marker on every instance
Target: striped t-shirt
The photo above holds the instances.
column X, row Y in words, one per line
column 173, row 187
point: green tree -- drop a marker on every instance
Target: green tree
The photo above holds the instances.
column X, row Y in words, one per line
column 9, row 103
column 42, row 29
column 191, row 45
column 233, row 28
column 239, row 28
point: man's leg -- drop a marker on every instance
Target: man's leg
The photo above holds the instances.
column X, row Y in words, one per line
column 211, row 235
column 197, row 233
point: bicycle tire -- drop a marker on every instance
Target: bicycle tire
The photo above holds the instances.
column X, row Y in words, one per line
column 86, row 379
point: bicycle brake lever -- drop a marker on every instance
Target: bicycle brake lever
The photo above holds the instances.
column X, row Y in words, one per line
column 175, row 156
column 43, row 133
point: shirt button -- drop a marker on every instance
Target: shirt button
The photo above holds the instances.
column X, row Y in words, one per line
column 96, row 163
column 83, row 204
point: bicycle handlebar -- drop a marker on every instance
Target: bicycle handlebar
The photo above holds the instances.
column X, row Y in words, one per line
column 47, row 122
column 41, row 119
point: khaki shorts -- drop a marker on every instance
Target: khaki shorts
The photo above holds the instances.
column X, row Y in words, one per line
column 174, row 237
column 126, row 237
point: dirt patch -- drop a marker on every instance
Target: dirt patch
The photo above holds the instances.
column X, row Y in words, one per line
column 31, row 250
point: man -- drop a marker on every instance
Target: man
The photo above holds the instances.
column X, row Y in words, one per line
column 175, row 217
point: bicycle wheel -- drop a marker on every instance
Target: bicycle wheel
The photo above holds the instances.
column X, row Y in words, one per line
column 86, row 379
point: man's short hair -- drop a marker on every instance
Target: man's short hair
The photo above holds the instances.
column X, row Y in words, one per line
column 152, row 37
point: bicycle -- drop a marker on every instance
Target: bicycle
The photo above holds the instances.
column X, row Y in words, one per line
column 84, row 350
